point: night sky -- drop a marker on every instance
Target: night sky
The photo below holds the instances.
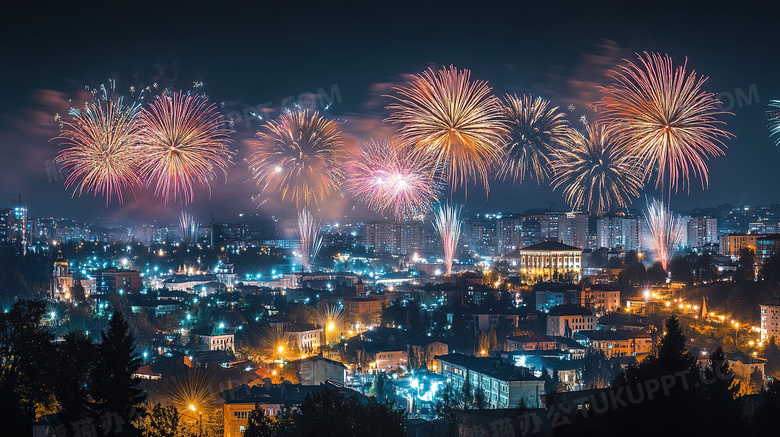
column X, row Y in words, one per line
column 260, row 53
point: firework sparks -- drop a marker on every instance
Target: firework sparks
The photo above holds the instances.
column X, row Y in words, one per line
column 309, row 237
column 665, row 119
column 537, row 130
column 595, row 172
column 666, row 229
column 189, row 228
column 387, row 177
column 457, row 121
column 183, row 141
column 301, row 155
column 773, row 117
column 101, row 156
column 447, row 224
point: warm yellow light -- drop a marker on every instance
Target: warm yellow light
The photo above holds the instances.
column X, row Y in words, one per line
column 192, row 407
column 331, row 326
column 281, row 348
column 484, row 352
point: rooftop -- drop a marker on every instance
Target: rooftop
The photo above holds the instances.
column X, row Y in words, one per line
column 489, row 366
column 550, row 246
column 569, row 310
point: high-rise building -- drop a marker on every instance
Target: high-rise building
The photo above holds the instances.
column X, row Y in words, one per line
column 479, row 235
column 397, row 238
column 702, row 231
column 567, row 227
column 624, row 232
column 509, row 233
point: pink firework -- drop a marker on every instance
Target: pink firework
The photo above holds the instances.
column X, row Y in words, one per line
column 666, row 228
column 447, row 223
column 102, row 140
column 183, row 142
column 388, row 177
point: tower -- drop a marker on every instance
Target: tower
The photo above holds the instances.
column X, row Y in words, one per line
column 61, row 278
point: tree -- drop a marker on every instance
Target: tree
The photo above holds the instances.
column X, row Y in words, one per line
column 681, row 270
column 765, row 418
column 114, row 388
column 75, row 361
column 771, row 354
column 163, row 422
column 595, row 371
column 26, row 354
column 382, row 387
column 724, row 409
column 745, row 266
column 656, row 274
column 331, row 412
column 450, row 399
column 706, row 270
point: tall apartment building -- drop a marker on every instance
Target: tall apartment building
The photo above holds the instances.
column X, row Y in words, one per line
column 479, row 234
column 701, row 231
column 397, row 238
column 509, row 233
column 624, row 232
column 770, row 319
column 567, row 227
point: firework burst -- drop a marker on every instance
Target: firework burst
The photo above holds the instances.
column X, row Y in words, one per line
column 301, row 155
column 595, row 172
column 387, row 177
column 183, row 141
column 189, row 227
column 666, row 229
column 446, row 115
column 447, row 224
column 309, row 236
column 101, row 154
column 773, row 118
column 536, row 131
column 664, row 119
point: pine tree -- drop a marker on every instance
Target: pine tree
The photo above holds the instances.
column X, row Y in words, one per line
column 114, row 389
column 76, row 359
column 724, row 409
column 26, row 353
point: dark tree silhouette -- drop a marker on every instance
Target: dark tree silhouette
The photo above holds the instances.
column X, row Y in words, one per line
column 114, row 389
column 75, row 360
column 25, row 363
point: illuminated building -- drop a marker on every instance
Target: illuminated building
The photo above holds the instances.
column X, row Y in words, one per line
column 702, row 231
column 616, row 343
column 426, row 351
column 503, row 385
column 618, row 231
column 767, row 246
column 61, row 278
column 397, row 238
column 317, row 370
column 565, row 320
column 239, row 402
column 770, row 319
column 550, row 261
column 113, row 281
column 530, row 342
column 732, row 243
column 216, row 338
column 569, row 228
column 362, row 313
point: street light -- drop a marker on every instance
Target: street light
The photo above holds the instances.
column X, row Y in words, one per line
column 200, row 419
